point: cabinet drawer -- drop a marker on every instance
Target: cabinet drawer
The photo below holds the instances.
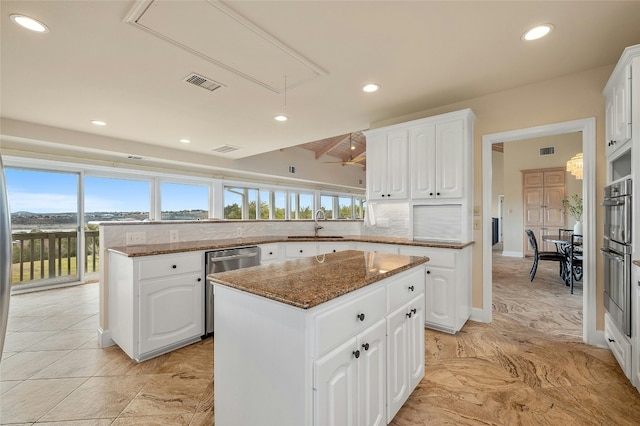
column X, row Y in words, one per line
column 346, row 320
column 619, row 345
column 301, row 250
column 269, row 252
column 164, row 265
column 404, row 288
column 446, row 258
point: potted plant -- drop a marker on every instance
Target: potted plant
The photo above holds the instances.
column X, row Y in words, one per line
column 575, row 210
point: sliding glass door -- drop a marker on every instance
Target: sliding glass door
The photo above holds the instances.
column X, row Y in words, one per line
column 45, row 226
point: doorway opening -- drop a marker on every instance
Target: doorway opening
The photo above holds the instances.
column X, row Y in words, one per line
column 587, row 128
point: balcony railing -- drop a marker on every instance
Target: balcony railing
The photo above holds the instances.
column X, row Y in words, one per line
column 51, row 255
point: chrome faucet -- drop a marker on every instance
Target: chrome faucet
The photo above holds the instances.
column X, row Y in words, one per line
column 318, row 227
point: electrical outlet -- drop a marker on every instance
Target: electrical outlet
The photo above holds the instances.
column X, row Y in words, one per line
column 136, row 238
column 173, row 236
column 476, row 224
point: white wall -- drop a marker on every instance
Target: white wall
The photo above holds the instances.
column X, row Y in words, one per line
column 497, row 180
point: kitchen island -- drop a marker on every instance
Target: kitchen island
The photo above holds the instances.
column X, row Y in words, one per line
column 328, row 339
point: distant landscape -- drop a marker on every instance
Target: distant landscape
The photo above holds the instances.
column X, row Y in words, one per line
column 22, row 221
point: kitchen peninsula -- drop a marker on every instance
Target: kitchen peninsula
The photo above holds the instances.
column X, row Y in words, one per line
column 335, row 338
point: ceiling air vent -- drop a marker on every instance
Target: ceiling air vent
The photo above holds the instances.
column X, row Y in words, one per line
column 224, row 149
column 549, row 150
column 204, row 82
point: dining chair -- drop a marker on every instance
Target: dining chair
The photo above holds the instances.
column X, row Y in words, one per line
column 574, row 256
column 542, row 255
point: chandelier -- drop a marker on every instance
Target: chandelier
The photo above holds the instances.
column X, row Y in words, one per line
column 574, row 166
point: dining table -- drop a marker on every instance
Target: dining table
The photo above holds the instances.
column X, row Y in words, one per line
column 566, row 245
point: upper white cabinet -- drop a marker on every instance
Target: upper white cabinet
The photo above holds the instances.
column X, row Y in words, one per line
column 387, row 156
column 618, row 109
column 437, row 155
column 423, row 159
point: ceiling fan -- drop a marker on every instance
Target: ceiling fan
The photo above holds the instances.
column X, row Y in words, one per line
column 357, row 160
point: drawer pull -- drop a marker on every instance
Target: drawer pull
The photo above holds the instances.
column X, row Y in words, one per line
column 366, row 346
column 199, row 279
column 301, row 251
column 408, row 315
column 414, row 310
column 610, row 340
column 360, row 317
column 411, row 288
column 174, row 266
column 428, row 272
column 356, row 353
column 270, row 253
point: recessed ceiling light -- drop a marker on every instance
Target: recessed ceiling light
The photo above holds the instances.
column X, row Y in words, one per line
column 29, row 23
column 98, row 122
column 372, row 87
column 185, row 141
column 281, row 118
column 537, row 32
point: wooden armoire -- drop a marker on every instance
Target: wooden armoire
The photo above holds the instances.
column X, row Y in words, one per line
column 542, row 193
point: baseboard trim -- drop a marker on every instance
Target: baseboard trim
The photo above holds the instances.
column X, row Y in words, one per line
column 512, row 254
column 104, row 338
column 479, row 315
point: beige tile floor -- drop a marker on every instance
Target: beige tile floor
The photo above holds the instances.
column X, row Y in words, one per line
column 529, row 366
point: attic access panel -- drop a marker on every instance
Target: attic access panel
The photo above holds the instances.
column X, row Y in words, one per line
column 214, row 32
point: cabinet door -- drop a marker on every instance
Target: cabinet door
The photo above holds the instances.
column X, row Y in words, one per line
column 397, row 361
column 371, row 375
column 397, row 173
column 618, row 112
column 533, row 207
column 450, row 159
column 335, row 387
column 171, row 310
column 377, row 166
column 554, row 215
column 423, row 161
column 416, row 341
column 440, row 297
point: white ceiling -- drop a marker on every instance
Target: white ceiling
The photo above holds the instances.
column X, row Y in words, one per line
column 92, row 64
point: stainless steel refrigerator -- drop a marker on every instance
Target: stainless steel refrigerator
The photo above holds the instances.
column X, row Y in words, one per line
column 5, row 258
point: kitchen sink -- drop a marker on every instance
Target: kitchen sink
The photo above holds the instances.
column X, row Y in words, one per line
column 312, row 237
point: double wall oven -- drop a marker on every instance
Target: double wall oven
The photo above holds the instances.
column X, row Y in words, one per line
column 617, row 253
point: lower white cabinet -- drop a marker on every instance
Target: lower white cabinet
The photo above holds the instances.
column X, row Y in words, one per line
column 350, row 381
column 619, row 344
column 447, row 286
column 156, row 303
column 270, row 253
column 329, row 365
column 405, row 353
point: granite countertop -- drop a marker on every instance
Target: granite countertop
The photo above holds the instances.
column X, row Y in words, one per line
column 168, row 248
column 308, row 282
column 636, row 262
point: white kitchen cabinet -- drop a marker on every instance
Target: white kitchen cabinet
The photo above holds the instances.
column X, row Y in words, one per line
column 302, row 249
column 619, row 344
column 387, row 156
column 296, row 366
column 350, row 381
column 438, row 160
column 270, row 253
column 618, row 109
column 156, row 303
column 405, row 353
column 334, row 247
column 447, row 286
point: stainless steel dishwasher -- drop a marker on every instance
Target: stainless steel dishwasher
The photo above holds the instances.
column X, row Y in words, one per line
column 222, row 261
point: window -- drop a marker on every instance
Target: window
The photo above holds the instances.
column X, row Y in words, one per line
column 181, row 201
column 301, row 205
column 110, row 199
column 265, row 205
column 279, row 204
column 240, row 203
column 327, row 204
column 342, row 206
column 345, row 208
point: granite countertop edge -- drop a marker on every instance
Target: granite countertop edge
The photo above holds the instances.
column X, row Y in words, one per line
column 315, row 291
column 636, row 262
column 170, row 248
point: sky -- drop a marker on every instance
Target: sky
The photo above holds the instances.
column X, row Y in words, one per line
column 51, row 192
